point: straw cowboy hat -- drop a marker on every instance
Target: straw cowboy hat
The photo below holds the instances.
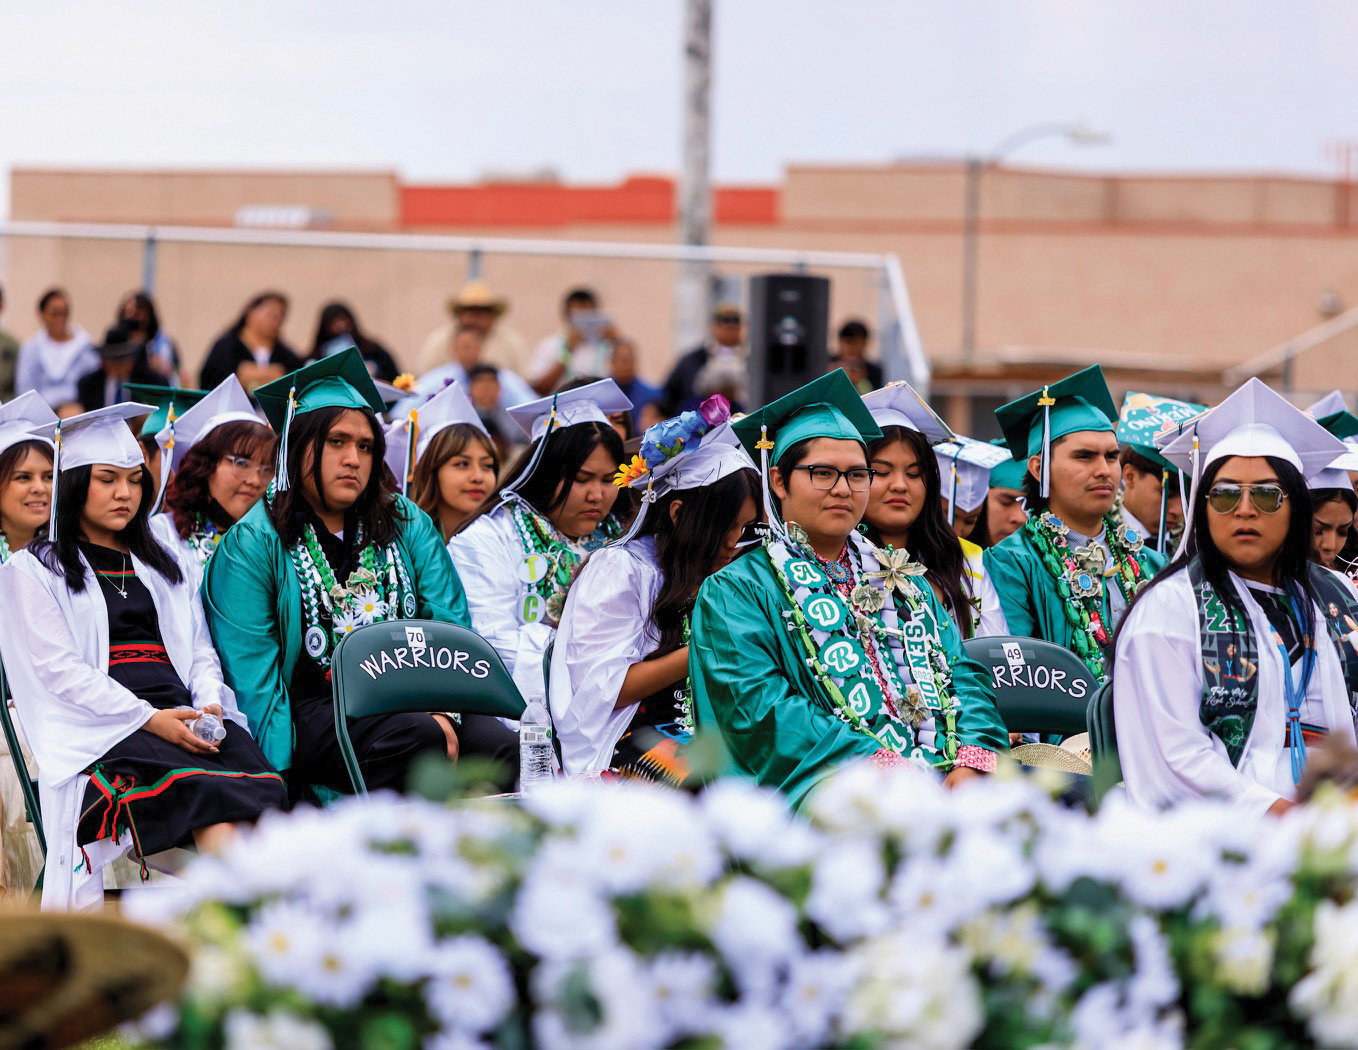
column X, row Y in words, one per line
column 67, row 977
column 477, row 293
column 1072, row 756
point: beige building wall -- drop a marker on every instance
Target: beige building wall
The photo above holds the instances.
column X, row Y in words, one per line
column 1197, row 272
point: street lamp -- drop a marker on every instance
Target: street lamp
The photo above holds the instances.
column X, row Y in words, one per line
column 1077, row 134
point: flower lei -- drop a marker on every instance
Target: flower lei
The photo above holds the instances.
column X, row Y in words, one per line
column 203, row 540
column 840, row 665
column 1078, row 573
column 378, row 589
column 550, row 559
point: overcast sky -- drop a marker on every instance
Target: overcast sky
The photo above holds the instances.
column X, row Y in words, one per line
column 450, row 89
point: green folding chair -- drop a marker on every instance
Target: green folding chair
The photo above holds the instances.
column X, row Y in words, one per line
column 1040, row 687
column 1103, row 737
column 416, row 665
column 27, row 782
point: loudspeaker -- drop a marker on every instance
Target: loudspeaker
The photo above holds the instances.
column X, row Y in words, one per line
column 789, row 333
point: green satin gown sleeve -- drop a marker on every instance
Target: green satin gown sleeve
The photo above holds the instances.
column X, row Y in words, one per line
column 438, row 588
column 245, row 614
column 752, row 685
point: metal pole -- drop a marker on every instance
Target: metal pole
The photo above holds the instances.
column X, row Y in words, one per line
column 148, row 263
column 693, row 284
column 971, row 214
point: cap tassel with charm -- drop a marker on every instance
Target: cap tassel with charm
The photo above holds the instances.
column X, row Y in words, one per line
column 281, row 479
column 1046, row 401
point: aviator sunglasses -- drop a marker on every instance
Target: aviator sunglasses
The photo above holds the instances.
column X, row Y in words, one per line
column 1266, row 498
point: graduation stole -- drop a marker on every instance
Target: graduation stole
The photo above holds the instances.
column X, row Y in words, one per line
column 1230, row 655
column 203, row 540
column 4, row 548
column 843, row 641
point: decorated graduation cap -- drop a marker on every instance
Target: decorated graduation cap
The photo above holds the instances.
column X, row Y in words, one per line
column 171, row 402
column 227, row 402
column 102, row 436
column 899, row 405
column 341, row 380
column 687, row 451
column 828, row 407
column 1332, row 413
column 408, row 439
column 1072, row 405
column 965, row 466
column 591, row 403
column 23, row 415
column 1253, row 421
column 1146, row 419
column 1007, row 474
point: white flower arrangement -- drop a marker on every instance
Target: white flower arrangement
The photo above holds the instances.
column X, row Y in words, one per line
column 891, row 912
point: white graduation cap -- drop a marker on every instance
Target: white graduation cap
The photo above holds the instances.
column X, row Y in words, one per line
column 390, row 392
column 1328, row 405
column 1253, row 421
column 21, row 416
column 1330, row 478
column 408, row 439
column 226, row 403
column 899, row 405
column 591, row 403
column 965, row 465
column 101, row 436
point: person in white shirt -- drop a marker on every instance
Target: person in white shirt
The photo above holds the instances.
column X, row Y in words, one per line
column 584, row 346
column 53, row 359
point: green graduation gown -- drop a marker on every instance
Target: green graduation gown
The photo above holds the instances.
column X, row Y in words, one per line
column 1032, row 607
column 253, row 603
column 750, row 681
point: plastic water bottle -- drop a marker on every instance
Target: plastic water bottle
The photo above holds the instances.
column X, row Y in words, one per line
column 208, row 728
column 537, row 759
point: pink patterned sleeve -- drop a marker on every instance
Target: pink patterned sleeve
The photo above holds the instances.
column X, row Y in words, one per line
column 978, row 758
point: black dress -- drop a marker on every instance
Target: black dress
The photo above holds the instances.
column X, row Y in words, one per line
column 145, row 784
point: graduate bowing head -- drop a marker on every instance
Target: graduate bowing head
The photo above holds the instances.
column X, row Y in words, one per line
column 25, row 470
column 1005, row 513
column 330, row 449
column 443, row 457
column 965, row 465
column 103, row 494
column 812, row 449
column 1247, row 461
column 219, row 457
column 1065, row 432
column 566, row 473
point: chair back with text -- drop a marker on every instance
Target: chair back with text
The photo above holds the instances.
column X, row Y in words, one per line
column 416, row 665
column 1040, row 687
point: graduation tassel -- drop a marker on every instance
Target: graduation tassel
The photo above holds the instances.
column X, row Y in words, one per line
column 412, row 438
column 1195, row 458
column 512, row 488
column 281, row 480
column 764, row 445
column 952, row 493
column 56, row 478
column 1164, row 511
column 1046, row 401
column 647, row 498
column 166, row 455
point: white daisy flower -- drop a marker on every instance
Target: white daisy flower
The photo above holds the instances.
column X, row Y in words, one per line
column 281, row 940
column 472, row 988
column 681, row 988
column 846, row 888
column 813, row 996
column 560, row 920
column 368, row 607
column 277, row 1030
column 755, row 929
column 909, row 992
column 349, row 620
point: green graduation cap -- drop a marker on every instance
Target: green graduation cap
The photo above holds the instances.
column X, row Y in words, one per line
column 1342, row 424
column 167, row 399
column 1009, row 474
column 1146, row 418
column 826, row 407
column 1070, row 406
column 341, row 380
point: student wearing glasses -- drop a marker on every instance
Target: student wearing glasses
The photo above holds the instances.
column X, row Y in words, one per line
column 619, row 688
column 1227, row 668
column 218, row 457
column 820, row 648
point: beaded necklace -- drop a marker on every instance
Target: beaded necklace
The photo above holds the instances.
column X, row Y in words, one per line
column 378, row 589
column 550, row 559
column 203, row 540
column 840, row 662
column 1079, row 582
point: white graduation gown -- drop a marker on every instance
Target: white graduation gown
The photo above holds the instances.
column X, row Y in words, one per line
column 605, row 629
column 489, row 555
column 55, row 649
column 163, row 529
column 1167, row 754
column 988, row 621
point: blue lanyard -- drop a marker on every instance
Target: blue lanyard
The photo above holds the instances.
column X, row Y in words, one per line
column 1296, row 695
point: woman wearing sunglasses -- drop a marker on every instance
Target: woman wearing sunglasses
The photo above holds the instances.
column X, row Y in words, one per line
column 1230, row 667
column 619, row 683
column 821, row 648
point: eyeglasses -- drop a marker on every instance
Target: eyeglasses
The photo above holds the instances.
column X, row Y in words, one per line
column 727, row 318
column 1266, row 499
column 826, row 478
column 245, row 467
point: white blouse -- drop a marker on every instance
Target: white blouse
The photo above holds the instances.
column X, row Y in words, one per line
column 605, row 629
column 1167, row 754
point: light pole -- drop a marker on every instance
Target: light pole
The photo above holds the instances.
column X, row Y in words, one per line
column 1078, row 134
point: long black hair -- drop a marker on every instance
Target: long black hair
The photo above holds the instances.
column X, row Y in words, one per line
column 566, row 451
column 329, row 312
column 932, row 541
column 61, row 553
column 687, row 545
column 1292, row 567
column 376, row 511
